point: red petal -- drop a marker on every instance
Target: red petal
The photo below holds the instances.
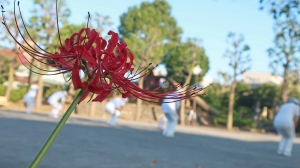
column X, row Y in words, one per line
column 79, row 36
column 85, row 94
column 102, row 96
column 93, row 34
column 96, row 78
column 68, row 44
column 85, row 54
column 75, row 76
column 96, row 89
column 126, row 94
column 112, row 42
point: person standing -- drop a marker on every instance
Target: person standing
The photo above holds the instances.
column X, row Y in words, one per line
column 169, row 107
column 162, row 122
column 286, row 122
column 56, row 100
column 29, row 98
column 192, row 117
column 114, row 107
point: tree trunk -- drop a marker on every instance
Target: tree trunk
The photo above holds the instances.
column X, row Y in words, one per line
column 29, row 82
column 11, row 72
column 92, row 108
column 285, row 89
column 231, row 105
column 182, row 104
column 204, row 105
column 139, row 101
column 182, row 112
column 39, row 96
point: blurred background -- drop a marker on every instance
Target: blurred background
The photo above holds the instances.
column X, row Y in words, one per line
column 247, row 52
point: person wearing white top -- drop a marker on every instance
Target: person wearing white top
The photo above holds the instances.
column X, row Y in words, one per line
column 285, row 122
column 56, row 100
column 170, row 110
column 29, row 98
column 114, row 107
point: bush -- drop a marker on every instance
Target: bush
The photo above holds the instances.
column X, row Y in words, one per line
column 220, row 121
column 242, row 122
column 17, row 95
column 238, row 122
column 2, row 90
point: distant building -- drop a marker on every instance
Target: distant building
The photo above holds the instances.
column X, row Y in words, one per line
column 258, row 78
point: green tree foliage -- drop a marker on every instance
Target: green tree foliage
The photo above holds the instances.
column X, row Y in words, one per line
column 281, row 8
column 147, row 28
column 243, row 95
column 10, row 43
column 215, row 96
column 17, row 95
column 285, row 52
column 243, row 109
column 43, row 21
column 4, row 66
column 267, row 94
column 284, row 55
column 239, row 60
column 43, row 29
column 101, row 23
column 180, row 61
column 183, row 57
column 65, row 32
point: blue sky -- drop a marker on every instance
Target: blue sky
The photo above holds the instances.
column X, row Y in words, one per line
column 209, row 20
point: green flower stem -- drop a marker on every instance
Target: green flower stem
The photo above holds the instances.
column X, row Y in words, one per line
column 57, row 129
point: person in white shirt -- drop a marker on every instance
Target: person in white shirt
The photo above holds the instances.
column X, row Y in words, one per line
column 114, row 107
column 56, row 100
column 170, row 110
column 29, row 98
column 285, row 122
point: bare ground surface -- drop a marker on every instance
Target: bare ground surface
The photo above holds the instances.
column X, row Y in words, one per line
column 90, row 143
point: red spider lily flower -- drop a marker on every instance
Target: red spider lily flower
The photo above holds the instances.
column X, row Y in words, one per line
column 104, row 62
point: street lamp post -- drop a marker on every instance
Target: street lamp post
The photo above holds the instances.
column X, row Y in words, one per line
column 196, row 71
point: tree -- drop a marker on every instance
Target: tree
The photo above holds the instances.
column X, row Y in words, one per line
column 281, row 8
column 180, row 61
column 284, row 55
column 45, row 29
column 65, row 32
column 147, row 29
column 4, row 65
column 285, row 52
column 239, row 58
column 9, row 20
column 101, row 23
column 267, row 94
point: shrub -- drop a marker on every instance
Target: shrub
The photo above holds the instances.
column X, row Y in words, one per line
column 17, row 95
column 238, row 122
column 2, row 90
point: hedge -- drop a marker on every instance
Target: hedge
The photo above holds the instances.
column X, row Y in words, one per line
column 238, row 122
